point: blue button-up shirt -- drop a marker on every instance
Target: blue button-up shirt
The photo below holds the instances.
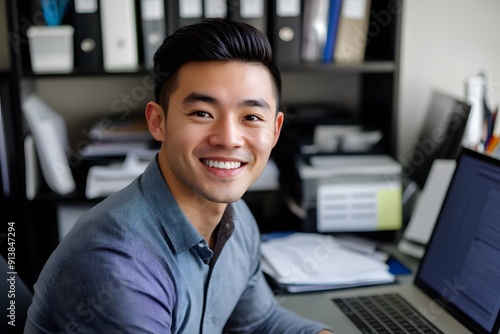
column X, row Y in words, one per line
column 135, row 264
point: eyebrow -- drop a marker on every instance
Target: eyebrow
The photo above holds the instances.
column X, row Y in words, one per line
column 199, row 97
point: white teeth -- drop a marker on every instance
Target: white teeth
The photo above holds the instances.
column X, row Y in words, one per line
column 222, row 164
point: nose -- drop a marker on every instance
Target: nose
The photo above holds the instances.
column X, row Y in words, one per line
column 227, row 132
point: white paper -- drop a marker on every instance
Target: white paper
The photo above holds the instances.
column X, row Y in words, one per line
column 429, row 201
column 315, row 259
column 106, row 180
column 354, row 206
column 337, row 165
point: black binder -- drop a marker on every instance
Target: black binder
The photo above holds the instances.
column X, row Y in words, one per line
column 253, row 12
column 87, row 36
column 285, row 32
column 154, row 29
column 187, row 12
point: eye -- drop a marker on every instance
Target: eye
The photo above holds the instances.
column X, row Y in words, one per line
column 252, row 118
column 202, row 114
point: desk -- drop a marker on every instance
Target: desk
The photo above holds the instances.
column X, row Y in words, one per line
column 319, row 305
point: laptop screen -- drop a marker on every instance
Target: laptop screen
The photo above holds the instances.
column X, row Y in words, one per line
column 461, row 266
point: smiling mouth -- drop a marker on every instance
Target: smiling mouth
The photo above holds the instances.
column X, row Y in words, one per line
column 222, row 164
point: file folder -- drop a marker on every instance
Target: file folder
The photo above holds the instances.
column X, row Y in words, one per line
column 87, row 35
column 50, row 138
column 286, row 31
column 253, row 12
column 352, row 31
column 119, row 34
column 154, row 28
column 315, row 28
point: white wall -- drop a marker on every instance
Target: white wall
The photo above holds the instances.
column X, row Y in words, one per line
column 443, row 43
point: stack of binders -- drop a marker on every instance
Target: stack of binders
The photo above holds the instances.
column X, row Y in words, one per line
column 107, row 36
column 121, row 35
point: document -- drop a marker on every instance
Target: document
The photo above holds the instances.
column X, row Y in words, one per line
column 424, row 216
column 359, row 206
column 103, row 181
column 309, row 261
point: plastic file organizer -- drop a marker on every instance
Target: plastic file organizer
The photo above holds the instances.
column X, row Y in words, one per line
column 352, row 193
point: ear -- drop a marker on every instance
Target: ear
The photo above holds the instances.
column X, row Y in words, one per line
column 277, row 126
column 156, row 120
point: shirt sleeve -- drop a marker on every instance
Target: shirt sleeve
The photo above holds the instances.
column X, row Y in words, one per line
column 109, row 290
column 257, row 311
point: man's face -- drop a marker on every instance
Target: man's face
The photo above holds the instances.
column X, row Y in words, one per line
column 221, row 126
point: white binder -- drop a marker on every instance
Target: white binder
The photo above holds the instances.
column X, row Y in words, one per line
column 119, row 34
column 50, row 138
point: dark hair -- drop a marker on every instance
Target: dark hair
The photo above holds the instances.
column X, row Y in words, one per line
column 214, row 39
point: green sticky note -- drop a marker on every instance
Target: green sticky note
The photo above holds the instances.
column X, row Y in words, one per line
column 389, row 209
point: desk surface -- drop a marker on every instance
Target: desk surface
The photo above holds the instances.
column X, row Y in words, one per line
column 319, row 305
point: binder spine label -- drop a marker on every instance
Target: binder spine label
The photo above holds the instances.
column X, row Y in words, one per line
column 250, row 9
column 215, row 8
column 86, row 6
column 288, row 8
column 190, row 8
column 152, row 10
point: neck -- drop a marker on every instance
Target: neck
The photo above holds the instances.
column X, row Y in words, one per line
column 205, row 217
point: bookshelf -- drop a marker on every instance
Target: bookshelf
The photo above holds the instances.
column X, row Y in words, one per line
column 368, row 89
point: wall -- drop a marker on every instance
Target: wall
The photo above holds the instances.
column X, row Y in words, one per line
column 442, row 44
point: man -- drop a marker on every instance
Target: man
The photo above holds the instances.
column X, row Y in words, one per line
column 177, row 251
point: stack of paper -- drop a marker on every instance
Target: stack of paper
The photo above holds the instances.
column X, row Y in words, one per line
column 105, row 180
column 116, row 136
column 309, row 262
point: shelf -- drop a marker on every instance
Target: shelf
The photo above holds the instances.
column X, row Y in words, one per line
column 27, row 73
column 366, row 67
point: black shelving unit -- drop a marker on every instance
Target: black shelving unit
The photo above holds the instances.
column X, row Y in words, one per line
column 375, row 99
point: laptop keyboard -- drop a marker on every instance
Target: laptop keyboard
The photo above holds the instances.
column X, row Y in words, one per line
column 386, row 313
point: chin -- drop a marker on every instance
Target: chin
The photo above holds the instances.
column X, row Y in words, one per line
column 223, row 198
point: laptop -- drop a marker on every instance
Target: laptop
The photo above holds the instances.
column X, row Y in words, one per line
column 456, row 288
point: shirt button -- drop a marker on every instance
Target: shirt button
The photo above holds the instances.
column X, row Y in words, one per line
column 228, row 225
column 201, row 244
